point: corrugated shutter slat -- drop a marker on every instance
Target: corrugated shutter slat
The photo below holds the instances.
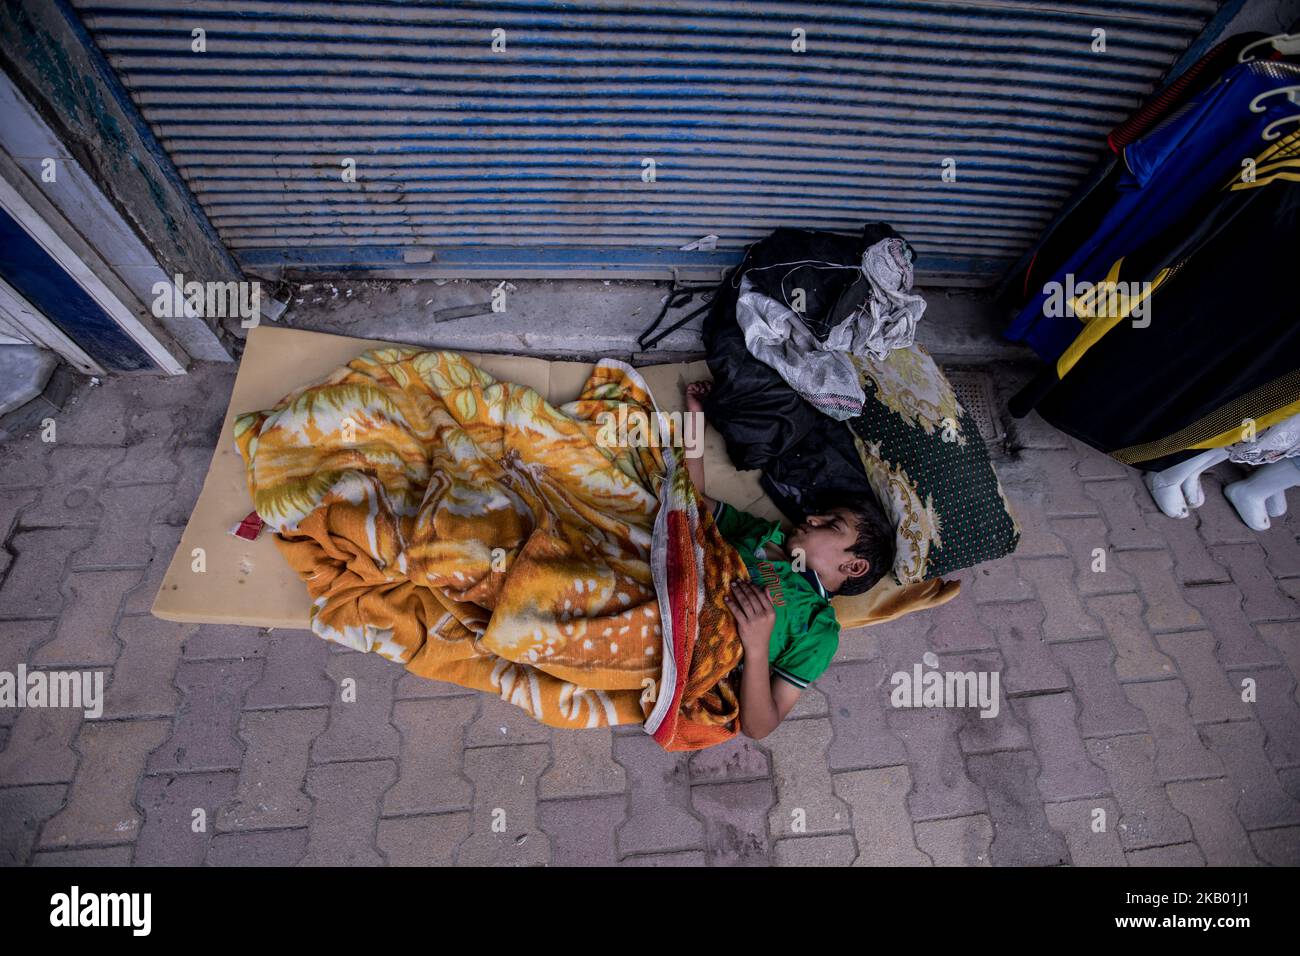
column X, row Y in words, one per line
column 529, row 162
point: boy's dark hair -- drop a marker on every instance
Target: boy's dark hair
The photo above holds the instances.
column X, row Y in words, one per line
column 875, row 543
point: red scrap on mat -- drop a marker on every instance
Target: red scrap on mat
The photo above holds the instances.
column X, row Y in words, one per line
column 249, row 528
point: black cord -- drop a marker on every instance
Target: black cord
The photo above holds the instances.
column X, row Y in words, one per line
column 678, row 296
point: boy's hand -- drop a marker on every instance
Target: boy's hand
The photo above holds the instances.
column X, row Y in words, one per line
column 696, row 392
column 754, row 614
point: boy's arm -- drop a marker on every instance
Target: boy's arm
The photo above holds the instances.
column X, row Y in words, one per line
column 764, row 699
column 695, row 393
column 695, row 468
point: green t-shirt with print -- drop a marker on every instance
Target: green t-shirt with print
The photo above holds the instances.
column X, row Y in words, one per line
column 805, row 634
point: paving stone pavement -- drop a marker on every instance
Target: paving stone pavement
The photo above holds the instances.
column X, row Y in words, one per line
column 1148, row 711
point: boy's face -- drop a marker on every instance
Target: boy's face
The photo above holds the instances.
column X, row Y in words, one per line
column 826, row 541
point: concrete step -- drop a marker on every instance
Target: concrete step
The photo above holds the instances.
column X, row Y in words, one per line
column 583, row 319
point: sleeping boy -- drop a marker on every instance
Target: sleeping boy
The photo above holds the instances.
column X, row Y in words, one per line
column 784, row 615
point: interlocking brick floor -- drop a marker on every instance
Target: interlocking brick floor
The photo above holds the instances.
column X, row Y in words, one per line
column 1148, row 711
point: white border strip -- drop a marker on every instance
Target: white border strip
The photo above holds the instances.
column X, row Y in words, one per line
column 658, row 566
column 42, row 331
column 58, row 250
column 659, row 571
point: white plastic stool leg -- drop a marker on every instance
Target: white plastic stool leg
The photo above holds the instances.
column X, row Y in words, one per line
column 1250, row 495
column 1178, row 487
column 1275, row 505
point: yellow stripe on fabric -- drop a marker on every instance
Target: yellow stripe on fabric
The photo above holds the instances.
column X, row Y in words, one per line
column 1278, row 160
column 1291, row 174
column 1283, row 162
column 1097, row 326
column 1234, row 435
column 1271, row 156
column 1273, row 401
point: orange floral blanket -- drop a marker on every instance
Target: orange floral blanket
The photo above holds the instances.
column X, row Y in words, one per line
column 473, row 532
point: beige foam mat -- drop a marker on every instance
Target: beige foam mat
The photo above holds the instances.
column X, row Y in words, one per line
column 248, row 582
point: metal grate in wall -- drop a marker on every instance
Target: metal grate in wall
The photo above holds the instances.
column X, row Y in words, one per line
column 975, row 393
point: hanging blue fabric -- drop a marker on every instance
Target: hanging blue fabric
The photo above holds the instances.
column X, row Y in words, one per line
column 1190, row 156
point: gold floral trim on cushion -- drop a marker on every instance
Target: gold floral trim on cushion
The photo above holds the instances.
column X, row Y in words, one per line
column 1015, row 523
column 917, row 526
column 909, row 383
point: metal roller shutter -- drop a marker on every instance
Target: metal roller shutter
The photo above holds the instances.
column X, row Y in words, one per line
column 529, row 162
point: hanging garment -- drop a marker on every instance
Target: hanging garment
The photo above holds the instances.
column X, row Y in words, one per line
column 1078, row 221
column 1220, row 345
column 1170, row 176
column 1198, row 76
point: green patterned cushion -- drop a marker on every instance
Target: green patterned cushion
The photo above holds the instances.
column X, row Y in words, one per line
column 928, row 465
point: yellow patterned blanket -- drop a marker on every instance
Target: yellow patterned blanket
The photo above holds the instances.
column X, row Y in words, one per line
column 478, row 535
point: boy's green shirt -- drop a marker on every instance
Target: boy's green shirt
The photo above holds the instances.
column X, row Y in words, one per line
column 806, row 634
